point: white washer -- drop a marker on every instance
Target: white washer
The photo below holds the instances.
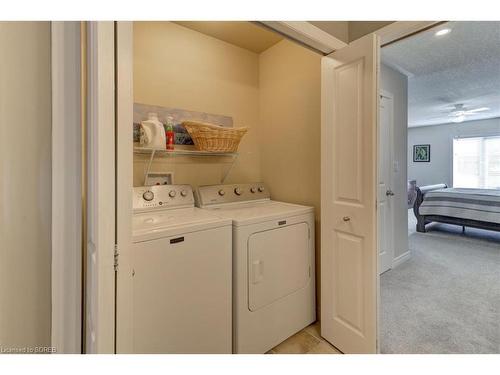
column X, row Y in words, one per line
column 273, row 264
column 182, row 274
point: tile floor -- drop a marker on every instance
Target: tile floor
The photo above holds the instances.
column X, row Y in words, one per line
column 307, row 341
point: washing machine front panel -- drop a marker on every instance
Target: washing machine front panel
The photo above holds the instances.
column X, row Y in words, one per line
column 278, row 264
column 182, row 293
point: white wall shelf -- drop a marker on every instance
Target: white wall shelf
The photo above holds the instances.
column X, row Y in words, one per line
column 183, row 152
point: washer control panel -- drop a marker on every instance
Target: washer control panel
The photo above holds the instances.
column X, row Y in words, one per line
column 219, row 194
column 146, row 198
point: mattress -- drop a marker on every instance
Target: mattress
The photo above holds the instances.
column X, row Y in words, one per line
column 461, row 203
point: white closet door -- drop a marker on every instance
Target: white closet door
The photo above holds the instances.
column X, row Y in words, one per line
column 348, row 196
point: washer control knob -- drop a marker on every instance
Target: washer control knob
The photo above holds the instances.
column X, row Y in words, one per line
column 237, row 191
column 184, row 193
column 172, row 193
column 148, row 195
column 261, row 189
column 253, row 190
column 222, row 192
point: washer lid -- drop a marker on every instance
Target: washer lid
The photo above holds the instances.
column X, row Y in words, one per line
column 151, row 225
column 254, row 212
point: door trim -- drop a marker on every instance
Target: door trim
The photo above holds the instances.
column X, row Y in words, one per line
column 66, row 235
column 101, row 206
column 321, row 41
column 402, row 29
column 390, row 96
column 124, row 173
column 307, row 34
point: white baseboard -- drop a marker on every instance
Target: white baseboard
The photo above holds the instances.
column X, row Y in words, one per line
column 401, row 259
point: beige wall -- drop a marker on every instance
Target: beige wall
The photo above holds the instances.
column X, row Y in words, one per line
column 181, row 68
column 290, row 120
column 277, row 94
column 25, row 184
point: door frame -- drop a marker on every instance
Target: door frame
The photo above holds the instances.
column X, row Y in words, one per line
column 66, row 275
column 319, row 40
column 99, row 301
column 69, row 157
column 124, row 174
column 391, row 169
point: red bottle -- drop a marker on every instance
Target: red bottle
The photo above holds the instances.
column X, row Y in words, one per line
column 170, row 133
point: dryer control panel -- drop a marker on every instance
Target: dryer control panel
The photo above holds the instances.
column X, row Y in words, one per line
column 233, row 193
column 146, row 198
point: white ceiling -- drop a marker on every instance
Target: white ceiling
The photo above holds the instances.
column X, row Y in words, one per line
column 461, row 67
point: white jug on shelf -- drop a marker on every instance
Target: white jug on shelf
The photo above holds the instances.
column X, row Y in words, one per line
column 153, row 133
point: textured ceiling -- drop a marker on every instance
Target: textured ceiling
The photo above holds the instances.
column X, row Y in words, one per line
column 461, row 67
column 240, row 33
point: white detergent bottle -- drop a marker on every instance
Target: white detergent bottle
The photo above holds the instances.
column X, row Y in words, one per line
column 153, row 132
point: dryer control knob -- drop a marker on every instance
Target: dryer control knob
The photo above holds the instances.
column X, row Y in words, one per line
column 261, row 189
column 253, row 190
column 184, row 193
column 148, row 195
column 237, row 191
column 222, row 192
column 172, row 193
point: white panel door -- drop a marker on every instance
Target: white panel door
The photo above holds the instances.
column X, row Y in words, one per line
column 349, row 276
column 385, row 193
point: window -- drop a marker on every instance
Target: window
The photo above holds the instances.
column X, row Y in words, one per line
column 476, row 162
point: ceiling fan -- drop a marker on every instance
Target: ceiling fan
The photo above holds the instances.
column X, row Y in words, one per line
column 459, row 113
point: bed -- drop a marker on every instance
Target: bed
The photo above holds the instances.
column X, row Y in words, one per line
column 477, row 208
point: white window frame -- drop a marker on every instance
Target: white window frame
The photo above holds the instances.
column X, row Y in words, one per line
column 482, row 136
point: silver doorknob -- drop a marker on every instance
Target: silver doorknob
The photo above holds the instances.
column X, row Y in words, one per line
column 346, row 218
column 389, row 193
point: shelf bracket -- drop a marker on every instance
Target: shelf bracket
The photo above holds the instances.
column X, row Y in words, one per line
column 148, row 169
column 229, row 169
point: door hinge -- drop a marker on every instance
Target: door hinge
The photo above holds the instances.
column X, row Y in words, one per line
column 115, row 258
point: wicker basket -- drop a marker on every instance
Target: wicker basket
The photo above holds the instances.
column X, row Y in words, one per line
column 208, row 137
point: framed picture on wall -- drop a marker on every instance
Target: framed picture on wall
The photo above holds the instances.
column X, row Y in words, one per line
column 422, row 153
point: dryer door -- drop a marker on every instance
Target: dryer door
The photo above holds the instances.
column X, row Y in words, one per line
column 279, row 263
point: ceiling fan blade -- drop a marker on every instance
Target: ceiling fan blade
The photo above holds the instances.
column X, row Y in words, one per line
column 471, row 111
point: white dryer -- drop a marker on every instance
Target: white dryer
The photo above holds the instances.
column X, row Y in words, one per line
column 273, row 264
column 181, row 274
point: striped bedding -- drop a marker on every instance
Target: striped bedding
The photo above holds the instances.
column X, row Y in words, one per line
column 473, row 204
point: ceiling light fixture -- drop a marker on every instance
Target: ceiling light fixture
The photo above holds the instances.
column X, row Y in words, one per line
column 459, row 119
column 442, row 32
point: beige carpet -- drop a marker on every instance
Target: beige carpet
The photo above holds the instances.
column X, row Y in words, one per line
column 446, row 298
